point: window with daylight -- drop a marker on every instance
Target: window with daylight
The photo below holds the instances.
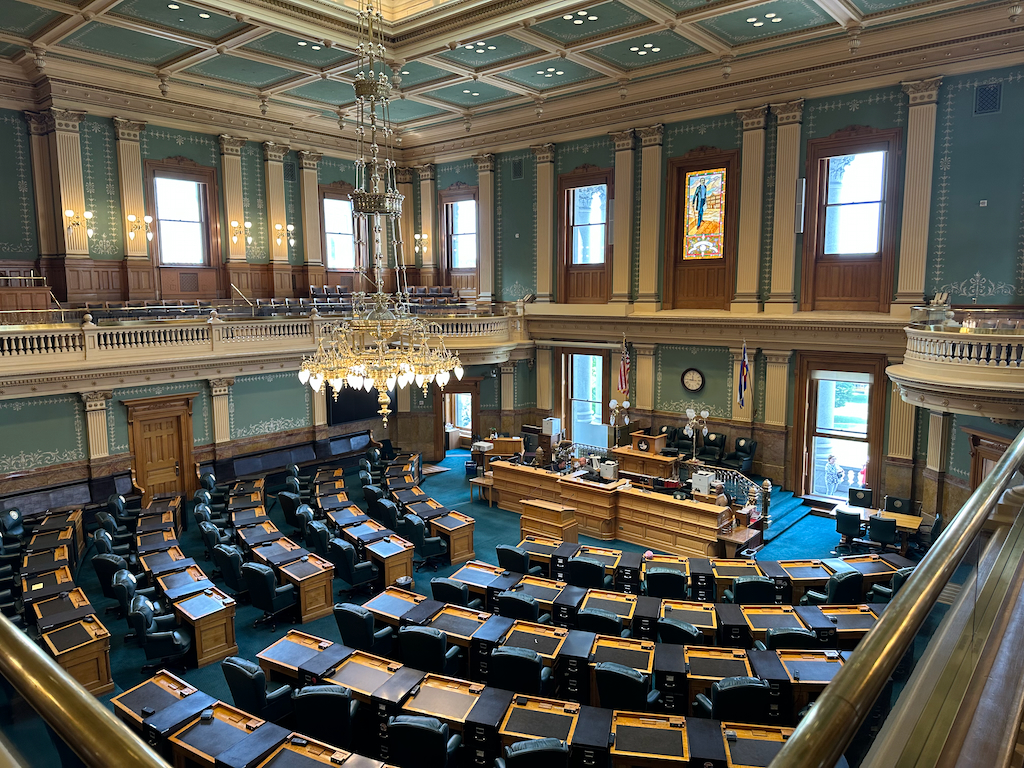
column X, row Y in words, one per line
column 587, row 385
column 460, row 234
column 339, row 234
column 854, row 200
column 584, row 218
column 588, row 223
column 182, row 199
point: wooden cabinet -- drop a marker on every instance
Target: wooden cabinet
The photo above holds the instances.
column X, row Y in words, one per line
column 514, row 482
column 596, row 505
column 644, row 463
column 677, row 526
column 546, row 518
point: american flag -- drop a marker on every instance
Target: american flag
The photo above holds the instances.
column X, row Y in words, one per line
column 744, row 375
column 624, row 369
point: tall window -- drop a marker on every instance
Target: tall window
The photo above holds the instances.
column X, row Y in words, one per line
column 588, row 223
column 586, row 381
column 839, row 438
column 182, row 199
column 584, row 219
column 460, row 412
column 339, row 234
column 462, row 234
column 854, row 202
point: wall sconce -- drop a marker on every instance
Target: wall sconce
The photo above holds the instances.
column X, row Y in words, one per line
column 236, row 231
column 420, row 245
column 290, row 229
column 75, row 221
column 134, row 225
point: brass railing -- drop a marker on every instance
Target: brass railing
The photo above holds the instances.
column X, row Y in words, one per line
column 824, row 734
column 85, row 725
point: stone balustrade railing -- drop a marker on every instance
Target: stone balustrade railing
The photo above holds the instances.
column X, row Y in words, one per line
column 955, row 347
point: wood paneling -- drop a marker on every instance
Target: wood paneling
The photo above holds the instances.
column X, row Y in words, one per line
column 285, row 281
column 139, row 279
column 463, row 280
column 189, row 282
column 587, row 284
column 583, row 283
column 847, row 285
column 701, row 285
column 89, row 280
column 253, row 280
column 30, row 297
column 160, row 441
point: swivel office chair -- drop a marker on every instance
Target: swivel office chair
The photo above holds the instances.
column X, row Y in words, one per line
column 602, row 622
column 431, row 549
column 228, row 559
column 843, row 588
column 251, row 692
column 522, row 607
column 679, row 633
column 521, row 670
column 355, row 624
column 326, row 713
column 736, row 699
column 266, row 595
column 881, row 593
column 161, row 637
column 348, row 568
column 420, row 742
column 516, row 560
column 625, row 688
column 427, row 649
column 318, row 538
column 290, row 503
column 454, row 592
column 536, row 753
column 212, row 536
column 665, row 583
column 751, row 590
column 587, row 573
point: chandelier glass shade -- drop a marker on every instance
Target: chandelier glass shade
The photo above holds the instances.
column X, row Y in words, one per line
column 383, row 344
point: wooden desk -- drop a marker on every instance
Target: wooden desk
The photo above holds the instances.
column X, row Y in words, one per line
column 641, row 442
column 905, row 524
column 54, row 612
column 545, row 591
column 457, row 531
column 248, row 501
column 648, row 740
column 541, row 548
column 350, row 515
column 427, row 509
column 40, row 542
column 392, row 604
column 247, row 517
column 184, row 583
column 852, row 622
column 40, row 586
column 400, row 483
column 644, row 462
column 154, row 542
column 548, row 518
column 83, row 650
column 706, row 665
column 46, row 560
column 531, row 717
column 259, row 534
column 503, row 447
column 677, row 526
column 513, row 482
column 484, row 486
column 448, row 699
column 542, row 638
column 301, row 752
column 752, row 746
column 165, row 561
column 73, row 518
column 159, row 692
column 199, row 742
column 700, row 615
column 163, row 521
column 244, row 487
column 809, row 672
column 806, row 575
column 211, row 614
column 872, row 568
column 638, row 654
column 477, row 576
column 409, row 495
column 363, row 673
column 393, row 556
column 333, row 501
column 361, row 534
column 761, row 618
column 313, row 577
column 279, row 552
column 609, row 558
column 673, row 562
column 738, row 539
column 329, row 475
column 622, row 605
column 727, row 570
column 331, row 486
column 460, row 624
column 282, row 659
column 596, row 505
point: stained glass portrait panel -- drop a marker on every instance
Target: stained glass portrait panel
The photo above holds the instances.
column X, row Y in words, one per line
column 703, row 232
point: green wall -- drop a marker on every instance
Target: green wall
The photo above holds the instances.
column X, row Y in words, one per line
column 451, row 173
column 332, row 169
column 596, row 150
column 117, row 412
column 768, row 208
column 515, row 227
column 669, row 395
column 293, row 209
column 254, row 203
column 102, row 188
column 525, row 385
column 41, row 431
column 266, row 403
column 18, row 226
column 960, row 442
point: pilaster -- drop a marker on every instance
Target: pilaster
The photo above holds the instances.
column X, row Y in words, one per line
column 917, row 194
column 65, row 185
column 404, row 398
column 545, row 154
column 745, row 412
column 231, row 176
column 748, row 253
column 902, row 426
column 776, row 386
column 650, row 212
column 313, row 258
column 787, row 169
column 47, row 217
column 485, row 222
column 622, row 238
column 936, row 463
column 508, row 396
column 96, row 420
column 277, row 216
column 428, row 220
column 643, row 399
column 219, row 390
column 129, row 172
column 407, row 221
column 545, row 379
column 320, row 413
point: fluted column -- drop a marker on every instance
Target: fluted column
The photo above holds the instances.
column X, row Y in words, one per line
column 622, row 242
column 65, row 186
column 219, row 390
column 404, row 398
column 936, row 464
column 313, row 258
column 776, row 386
column 407, row 221
column 917, row 194
column 129, row 173
column 746, row 412
column 485, row 223
column 748, row 249
column 47, row 217
column 508, row 397
column 277, row 216
column 902, row 426
column 96, row 421
column 428, row 219
column 545, row 154
column 643, row 398
column 231, row 175
column 545, row 378
column 787, row 170
column 650, row 214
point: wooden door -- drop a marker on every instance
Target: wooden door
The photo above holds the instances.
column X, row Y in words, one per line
column 160, row 441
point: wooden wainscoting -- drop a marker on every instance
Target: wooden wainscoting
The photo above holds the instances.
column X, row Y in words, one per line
column 253, row 280
column 19, row 294
column 139, row 279
column 463, row 280
column 189, row 283
column 586, row 283
column 848, row 284
column 89, row 280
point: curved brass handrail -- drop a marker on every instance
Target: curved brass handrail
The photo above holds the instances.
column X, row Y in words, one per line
column 823, row 735
column 92, row 731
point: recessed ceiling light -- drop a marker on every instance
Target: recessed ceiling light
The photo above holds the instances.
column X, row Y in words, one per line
column 591, row 18
column 648, row 45
column 465, row 90
column 567, row 17
column 492, row 48
column 303, row 42
column 655, row 50
column 641, row 53
column 559, row 72
column 758, row 23
column 581, row 13
column 173, row 6
column 405, row 71
column 578, row 21
column 480, row 50
column 548, row 75
column 776, row 19
column 751, row 20
column 204, row 15
column 479, row 42
column 634, row 48
column 551, row 69
column 540, row 71
column 769, row 15
column 470, row 46
column 475, row 93
column 316, row 47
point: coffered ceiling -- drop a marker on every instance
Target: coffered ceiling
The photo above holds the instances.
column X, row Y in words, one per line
column 460, row 62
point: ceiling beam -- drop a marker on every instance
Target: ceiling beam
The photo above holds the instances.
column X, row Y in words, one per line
column 212, row 50
column 844, row 13
column 706, row 40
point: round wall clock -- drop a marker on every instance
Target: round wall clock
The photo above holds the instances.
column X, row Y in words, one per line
column 693, row 380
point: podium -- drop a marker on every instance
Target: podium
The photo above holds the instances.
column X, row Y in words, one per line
column 644, row 443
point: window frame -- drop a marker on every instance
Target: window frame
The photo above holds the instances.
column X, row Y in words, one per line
column 456, row 193
column 855, row 140
column 339, row 190
column 586, row 175
column 563, row 406
column 183, row 169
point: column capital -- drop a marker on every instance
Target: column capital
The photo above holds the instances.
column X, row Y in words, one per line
column 753, row 119
column 309, row 160
column 128, row 130
column 789, row 112
column 624, row 140
column 645, row 350
column 508, row 368
column 274, row 152
column 231, row 145
column 427, row 172
column 776, row 356
column 545, row 153
column 652, row 135
column 96, row 401
column 54, row 119
column 922, row 91
column 543, row 346
column 736, row 353
column 403, row 175
column 484, row 163
column 220, row 386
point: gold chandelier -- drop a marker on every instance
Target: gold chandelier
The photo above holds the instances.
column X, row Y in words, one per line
column 383, row 345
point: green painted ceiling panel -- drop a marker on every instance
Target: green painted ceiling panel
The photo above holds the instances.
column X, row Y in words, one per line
column 868, row 7
column 645, row 50
column 181, row 17
column 24, row 19
column 462, row 95
column 551, row 74
column 297, row 49
column 483, row 53
column 682, row 5
column 233, row 69
column 125, row 44
column 9, row 49
column 589, row 22
column 767, row 20
column 325, row 91
column 403, row 110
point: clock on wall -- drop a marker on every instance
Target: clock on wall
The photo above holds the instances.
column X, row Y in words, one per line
column 693, row 380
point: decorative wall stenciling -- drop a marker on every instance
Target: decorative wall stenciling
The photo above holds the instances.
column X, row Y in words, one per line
column 267, row 403
column 450, row 173
column 515, row 227
column 293, row 209
column 254, row 203
column 332, row 169
column 599, row 151
column 714, row 362
column 884, row 108
column 102, row 190
column 634, row 287
column 41, row 432
column 17, row 228
column 161, row 143
column 768, row 212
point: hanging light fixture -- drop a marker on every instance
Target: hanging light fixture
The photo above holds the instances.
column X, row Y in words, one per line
column 383, row 344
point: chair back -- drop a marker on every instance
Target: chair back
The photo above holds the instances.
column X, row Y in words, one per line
column 585, row 573
column 11, row 523
column 123, row 585
column 373, row 455
column 293, row 486
column 289, row 502
column 372, row 494
column 900, row 578
column 746, row 698
column 261, row 584
column 679, row 633
column 753, row 590
column 201, row 512
column 115, row 504
column 106, row 565
column 449, row 591
column 228, row 560
column 537, row 753
column 247, row 683
column 745, row 447
column 513, row 558
column 896, row 504
column 518, row 605
column 600, row 621
column 293, row 470
column 423, row 648
column 666, row 583
column 844, row 588
column 669, row 433
column 106, row 522
column 389, row 514
column 621, row 687
column 417, row 742
column 210, row 534
column 416, row 530
column 304, row 514
column 861, row 497
column 364, row 466
column 355, row 623
column 318, row 538
column 882, row 529
column 343, row 556
column 140, row 617
column 325, row 713
column 365, row 478
column 515, row 669
column 104, row 543
column 848, row 523
column 791, row 639
column 202, row 496
column 208, row 481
